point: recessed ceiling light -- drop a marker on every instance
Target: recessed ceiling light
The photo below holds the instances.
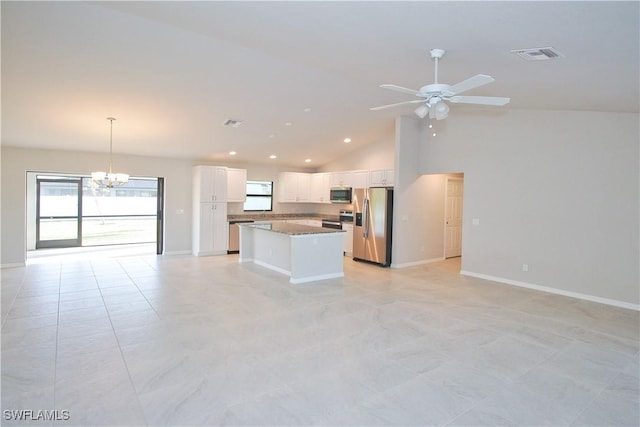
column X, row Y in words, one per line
column 272, row 135
column 307, row 110
column 273, row 156
column 347, row 140
column 232, row 153
column 288, row 124
column 307, row 160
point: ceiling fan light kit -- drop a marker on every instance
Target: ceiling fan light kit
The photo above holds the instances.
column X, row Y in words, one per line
column 433, row 96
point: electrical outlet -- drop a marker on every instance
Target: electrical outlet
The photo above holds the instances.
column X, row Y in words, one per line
column 525, row 267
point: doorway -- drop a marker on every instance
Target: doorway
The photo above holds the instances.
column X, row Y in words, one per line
column 58, row 212
column 70, row 211
column 454, row 192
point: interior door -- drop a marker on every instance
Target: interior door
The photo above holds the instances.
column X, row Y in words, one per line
column 453, row 218
column 58, row 213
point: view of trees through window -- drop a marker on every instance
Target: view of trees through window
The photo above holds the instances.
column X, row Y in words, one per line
column 259, row 196
column 125, row 214
column 121, row 215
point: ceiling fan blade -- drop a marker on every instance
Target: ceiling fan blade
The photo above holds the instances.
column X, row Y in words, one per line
column 471, row 83
column 401, row 89
column 384, row 107
column 483, row 100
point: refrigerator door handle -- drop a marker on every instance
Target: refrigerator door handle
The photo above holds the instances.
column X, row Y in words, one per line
column 365, row 221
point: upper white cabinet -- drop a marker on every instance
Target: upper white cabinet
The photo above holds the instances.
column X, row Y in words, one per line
column 210, row 183
column 355, row 179
column 359, row 179
column 320, row 187
column 316, row 187
column 381, row 178
column 294, row 187
column 236, row 185
column 340, row 179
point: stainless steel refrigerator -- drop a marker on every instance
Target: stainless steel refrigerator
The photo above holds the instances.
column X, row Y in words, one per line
column 373, row 219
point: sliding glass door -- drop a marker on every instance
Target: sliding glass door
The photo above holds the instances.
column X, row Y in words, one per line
column 127, row 214
column 70, row 211
column 58, row 213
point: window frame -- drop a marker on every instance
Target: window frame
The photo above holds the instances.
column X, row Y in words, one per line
column 249, row 195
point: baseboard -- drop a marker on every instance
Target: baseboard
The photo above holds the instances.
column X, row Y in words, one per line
column 414, row 263
column 13, row 265
column 578, row 295
column 316, row 278
column 272, row 267
column 177, row 253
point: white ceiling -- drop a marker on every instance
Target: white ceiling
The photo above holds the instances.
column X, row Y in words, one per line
column 173, row 72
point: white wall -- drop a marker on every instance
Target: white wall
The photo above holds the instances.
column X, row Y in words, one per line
column 178, row 182
column 377, row 155
column 16, row 162
column 556, row 190
column 409, row 198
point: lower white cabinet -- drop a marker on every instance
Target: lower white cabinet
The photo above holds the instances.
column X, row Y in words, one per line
column 210, row 229
column 348, row 239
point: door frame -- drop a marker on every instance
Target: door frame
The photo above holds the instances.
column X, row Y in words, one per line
column 66, row 243
column 446, row 208
column 32, row 224
column 160, row 216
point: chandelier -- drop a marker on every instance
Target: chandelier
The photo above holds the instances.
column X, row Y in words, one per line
column 109, row 179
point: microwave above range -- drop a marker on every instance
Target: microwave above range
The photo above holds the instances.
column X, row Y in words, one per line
column 340, row 195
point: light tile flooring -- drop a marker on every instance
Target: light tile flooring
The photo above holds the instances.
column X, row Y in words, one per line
column 179, row 340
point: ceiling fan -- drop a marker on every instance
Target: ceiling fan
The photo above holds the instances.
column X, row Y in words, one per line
column 432, row 96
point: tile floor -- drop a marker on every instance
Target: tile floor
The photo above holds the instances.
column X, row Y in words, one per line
column 179, row 340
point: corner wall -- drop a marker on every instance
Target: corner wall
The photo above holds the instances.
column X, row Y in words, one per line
column 556, row 190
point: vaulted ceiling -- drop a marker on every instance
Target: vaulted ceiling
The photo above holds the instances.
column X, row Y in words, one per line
column 301, row 76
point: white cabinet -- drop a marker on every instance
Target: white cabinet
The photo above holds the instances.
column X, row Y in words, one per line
column 210, row 183
column 294, row 186
column 236, row 185
column 210, row 230
column 210, row 233
column 340, row 179
column 348, row 239
column 321, row 187
column 355, row 179
column 381, row 178
column 359, row 179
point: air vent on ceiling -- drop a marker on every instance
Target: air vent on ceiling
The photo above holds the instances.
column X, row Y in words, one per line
column 233, row 123
column 538, row 54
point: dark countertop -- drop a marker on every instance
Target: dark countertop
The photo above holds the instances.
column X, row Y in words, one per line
column 291, row 229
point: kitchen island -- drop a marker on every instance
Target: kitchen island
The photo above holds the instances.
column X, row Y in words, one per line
column 302, row 252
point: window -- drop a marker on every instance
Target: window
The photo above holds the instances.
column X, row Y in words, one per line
column 259, row 196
